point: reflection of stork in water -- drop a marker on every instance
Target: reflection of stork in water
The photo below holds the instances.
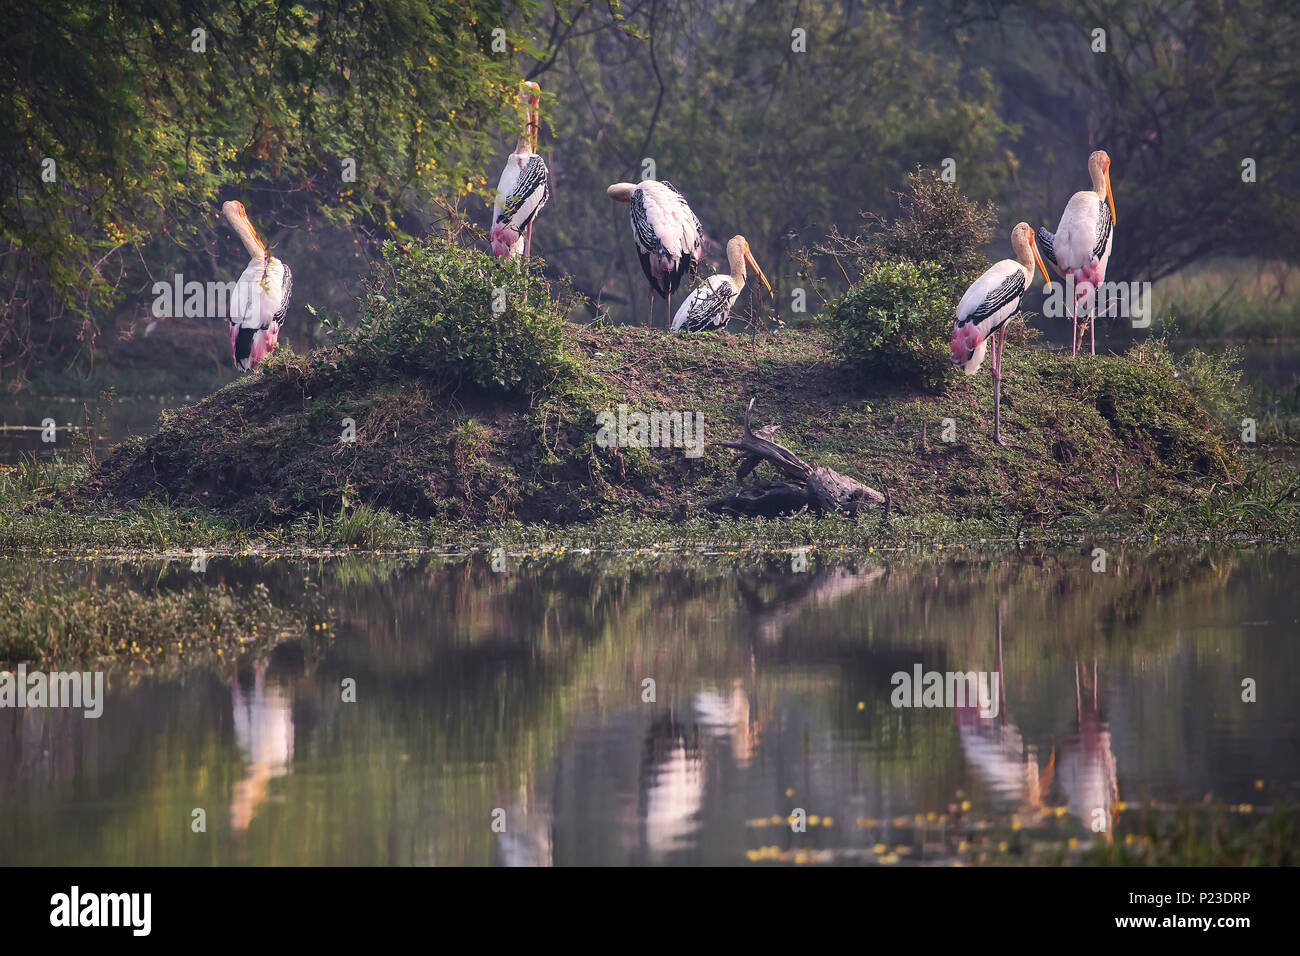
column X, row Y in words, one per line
column 673, row 789
column 527, row 839
column 821, row 588
column 997, row 753
column 729, row 717
column 264, row 734
column 1087, row 774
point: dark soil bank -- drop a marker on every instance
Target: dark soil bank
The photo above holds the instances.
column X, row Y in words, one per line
column 1105, row 434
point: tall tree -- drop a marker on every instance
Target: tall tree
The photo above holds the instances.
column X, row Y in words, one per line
column 122, row 124
column 778, row 120
column 1194, row 100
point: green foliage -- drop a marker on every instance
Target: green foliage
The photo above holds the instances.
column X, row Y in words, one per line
column 1243, row 299
column 936, row 223
column 767, row 142
column 1184, row 93
column 430, row 309
column 56, row 616
column 894, row 325
column 148, row 131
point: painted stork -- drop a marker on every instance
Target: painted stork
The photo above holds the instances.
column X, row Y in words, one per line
column 708, row 307
column 668, row 234
column 524, row 187
column 1080, row 247
column 261, row 296
column 986, row 307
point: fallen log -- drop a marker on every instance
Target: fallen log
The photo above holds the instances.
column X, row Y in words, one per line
column 822, row 489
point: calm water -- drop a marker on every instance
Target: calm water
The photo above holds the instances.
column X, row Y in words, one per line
column 521, row 694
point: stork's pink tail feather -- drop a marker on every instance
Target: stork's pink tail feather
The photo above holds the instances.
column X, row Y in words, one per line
column 503, row 239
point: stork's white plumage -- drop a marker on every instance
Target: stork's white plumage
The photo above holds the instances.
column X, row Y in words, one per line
column 1080, row 248
column 985, row 309
column 709, row 304
column 524, row 186
column 669, row 237
column 261, row 297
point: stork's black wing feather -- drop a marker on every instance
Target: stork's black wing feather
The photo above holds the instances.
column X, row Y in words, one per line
column 711, row 310
column 244, row 347
column 646, row 238
column 685, row 265
column 1047, row 247
column 285, row 297
column 1011, row 289
column 1103, row 229
column 534, row 177
column 656, row 284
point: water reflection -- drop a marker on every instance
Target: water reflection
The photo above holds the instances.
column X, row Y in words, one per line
column 996, row 751
column 1087, row 763
column 524, row 693
column 672, row 788
column 263, row 717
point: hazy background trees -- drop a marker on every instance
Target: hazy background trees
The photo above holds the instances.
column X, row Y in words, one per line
column 781, row 120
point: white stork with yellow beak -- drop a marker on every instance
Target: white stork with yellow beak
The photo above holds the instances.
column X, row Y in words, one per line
column 1080, row 247
column 987, row 306
column 668, row 234
column 708, row 307
column 524, row 187
column 261, row 296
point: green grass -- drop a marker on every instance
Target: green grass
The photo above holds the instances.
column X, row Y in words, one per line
column 1142, row 444
column 1232, row 299
column 1213, row 835
column 51, row 615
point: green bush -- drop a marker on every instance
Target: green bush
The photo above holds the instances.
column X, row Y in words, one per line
column 429, row 310
column 936, row 223
column 896, row 324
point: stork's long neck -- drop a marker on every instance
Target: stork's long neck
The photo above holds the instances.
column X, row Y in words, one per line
column 532, row 126
column 244, row 229
column 736, row 259
column 1099, row 182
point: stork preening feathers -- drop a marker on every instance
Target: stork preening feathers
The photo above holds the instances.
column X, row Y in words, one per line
column 708, row 307
column 668, row 234
column 261, row 296
column 1080, row 247
column 986, row 307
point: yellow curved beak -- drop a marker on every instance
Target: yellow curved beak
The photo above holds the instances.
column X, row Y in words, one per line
column 749, row 261
column 1110, row 197
column 1038, row 260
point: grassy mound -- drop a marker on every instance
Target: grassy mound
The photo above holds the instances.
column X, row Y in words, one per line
column 1092, row 436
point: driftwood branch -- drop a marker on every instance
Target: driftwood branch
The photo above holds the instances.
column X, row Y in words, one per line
column 805, row 486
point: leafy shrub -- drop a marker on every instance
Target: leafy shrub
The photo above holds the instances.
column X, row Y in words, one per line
column 429, row 310
column 936, row 223
column 895, row 325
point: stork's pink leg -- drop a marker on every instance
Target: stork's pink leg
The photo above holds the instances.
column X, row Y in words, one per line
column 1074, row 327
column 528, row 241
column 668, row 319
column 997, row 387
column 1092, row 327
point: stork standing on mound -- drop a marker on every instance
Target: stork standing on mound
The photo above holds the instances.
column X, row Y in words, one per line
column 708, row 307
column 524, row 187
column 1080, row 247
column 986, row 307
column 261, row 296
column 668, row 235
